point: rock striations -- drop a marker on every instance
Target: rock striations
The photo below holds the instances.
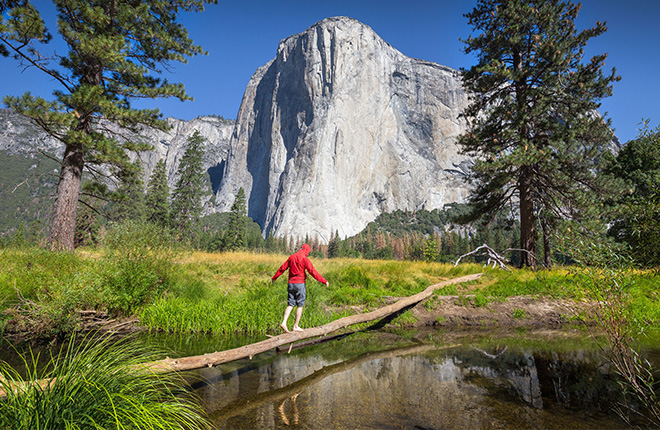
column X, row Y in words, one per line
column 336, row 129
column 339, row 127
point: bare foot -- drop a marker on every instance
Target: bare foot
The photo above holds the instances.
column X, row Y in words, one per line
column 297, row 329
column 285, row 328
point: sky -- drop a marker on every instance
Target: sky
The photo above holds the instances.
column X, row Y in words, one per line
column 241, row 36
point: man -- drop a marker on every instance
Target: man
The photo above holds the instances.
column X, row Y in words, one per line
column 297, row 264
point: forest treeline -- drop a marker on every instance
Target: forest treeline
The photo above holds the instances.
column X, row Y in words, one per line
column 629, row 219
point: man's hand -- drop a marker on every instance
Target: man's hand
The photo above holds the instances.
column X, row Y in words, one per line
column 327, row 284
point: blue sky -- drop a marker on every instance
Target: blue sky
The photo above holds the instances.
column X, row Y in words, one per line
column 241, row 36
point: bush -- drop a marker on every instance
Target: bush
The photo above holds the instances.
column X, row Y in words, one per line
column 138, row 264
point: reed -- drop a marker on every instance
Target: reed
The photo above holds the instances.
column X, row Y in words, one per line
column 96, row 384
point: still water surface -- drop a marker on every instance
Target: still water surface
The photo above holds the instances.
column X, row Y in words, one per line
column 420, row 380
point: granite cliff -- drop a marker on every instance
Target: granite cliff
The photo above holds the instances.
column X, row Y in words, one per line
column 339, row 127
column 336, row 129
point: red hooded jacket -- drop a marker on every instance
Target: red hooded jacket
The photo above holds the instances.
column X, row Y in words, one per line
column 297, row 264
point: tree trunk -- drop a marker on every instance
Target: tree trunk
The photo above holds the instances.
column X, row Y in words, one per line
column 526, row 173
column 526, row 218
column 63, row 221
column 547, row 249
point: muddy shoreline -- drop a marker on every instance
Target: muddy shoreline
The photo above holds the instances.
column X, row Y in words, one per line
column 452, row 312
column 516, row 311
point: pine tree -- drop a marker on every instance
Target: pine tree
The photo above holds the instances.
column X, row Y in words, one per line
column 128, row 199
column 158, row 195
column 87, row 226
column 532, row 122
column 430, row 249
column 237, row 226
column 637, row 211
column 116, row 50
column 270, row 244
column 333, row 245
column 187, row 194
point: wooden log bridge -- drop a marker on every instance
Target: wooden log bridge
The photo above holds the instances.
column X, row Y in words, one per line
column 249, row 351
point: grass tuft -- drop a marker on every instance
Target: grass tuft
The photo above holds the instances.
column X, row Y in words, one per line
column 97, row 384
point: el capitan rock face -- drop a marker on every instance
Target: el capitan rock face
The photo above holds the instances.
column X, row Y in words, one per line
column 340, row 127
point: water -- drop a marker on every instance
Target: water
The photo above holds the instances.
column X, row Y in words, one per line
column 421, row 380
column 427, row 379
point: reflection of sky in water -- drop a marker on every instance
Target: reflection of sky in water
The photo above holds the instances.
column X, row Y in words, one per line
column 416, row 387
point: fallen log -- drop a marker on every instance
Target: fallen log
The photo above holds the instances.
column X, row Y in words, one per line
column 249, row 351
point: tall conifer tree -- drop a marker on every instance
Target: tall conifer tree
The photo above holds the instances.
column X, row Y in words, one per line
column 116, row 50
column 533, row 125
column 189, row 189
column 128, row 199
column 637, row 212
column 237, row 226
column 158, row 196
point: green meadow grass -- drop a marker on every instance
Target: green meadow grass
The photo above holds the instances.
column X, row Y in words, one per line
column 184, row 291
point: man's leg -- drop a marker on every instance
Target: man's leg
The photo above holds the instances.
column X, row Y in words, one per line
column 296, row 326
column 287, row 312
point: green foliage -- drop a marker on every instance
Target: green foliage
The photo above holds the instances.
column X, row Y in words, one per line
column 213, row 228
column 637, row 213
column 97, row 383
column 519, row 314
column 403, row 235
column 235, row 234
column 254, row 309
column 189, row 188
column 430, row 250
column 157, row 198
column 128, row 199
column 137, row 264
column 88, row 226
column 615, row 291
column 109, row 62
column 531, row 126
column 43, row 289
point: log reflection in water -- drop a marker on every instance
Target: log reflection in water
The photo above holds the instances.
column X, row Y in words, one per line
column 291, row 390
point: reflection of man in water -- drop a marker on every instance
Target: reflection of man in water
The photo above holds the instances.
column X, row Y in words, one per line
column 297, row 264
column 285, row 419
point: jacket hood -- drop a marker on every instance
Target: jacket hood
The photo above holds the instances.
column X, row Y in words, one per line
column 305, row 249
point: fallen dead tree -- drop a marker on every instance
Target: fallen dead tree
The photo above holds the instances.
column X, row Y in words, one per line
column 494, row 258
column 249, row 351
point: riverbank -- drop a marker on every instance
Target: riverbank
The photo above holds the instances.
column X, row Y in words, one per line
column 47, row 296
column 451, row 312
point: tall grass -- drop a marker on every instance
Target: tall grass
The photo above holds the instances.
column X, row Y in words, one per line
column 139, row 273
column 256, row 308
column 97, row 384
column 40, row 290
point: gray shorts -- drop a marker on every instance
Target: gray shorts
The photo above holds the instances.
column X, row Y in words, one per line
column 296, row 295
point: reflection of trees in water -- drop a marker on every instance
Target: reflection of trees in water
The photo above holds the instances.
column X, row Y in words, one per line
column 436, row 387
column 575, row 380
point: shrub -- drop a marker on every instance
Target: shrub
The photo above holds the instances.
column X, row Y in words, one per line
column 138, row 264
